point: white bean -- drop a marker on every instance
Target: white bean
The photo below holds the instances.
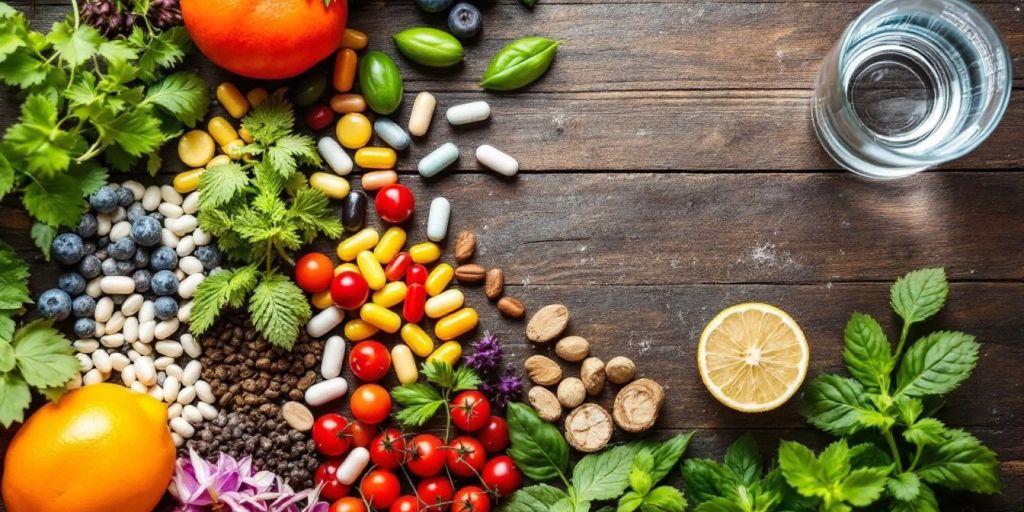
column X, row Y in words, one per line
column 208, row 411
column 184, row 225
column 100, row 330
column 191, row 203
column 91, row 377
column 190, row 265
column 86, row 346
column 151, row 199
column 323, row 392
column 173, row 370
column 119, row 361
column 184, row 312
column 192, row 414
column 188, row 343
column 497, row 160
column 128, row 375
column 179, row 274
column 188, row 286
column 117, row 285
column 132, row 304
column 422, row 113
column 171, row 388
column 169, row 348
column 472, row 112
column 170, row 211
column 146, row 330
column 337, row 159
column 187, row 395
column 136, row 188
column 103, row 224
column 147, row 312
column 143, row 349
column 166, row 328
column 353, row 465
column 185, row 246
column 182, row 427
column 437, row 219
column 334, row 354
column 92, row 289
column 101, row 361
column 204, row 392
column 74, row 383
column 145, row 371
column 105, row 307
column 168, row 239
column 174, row 410
column 155, row 392
column 324, row 321
column 201, row 237
column 193, row 370
column 161, row 363
column 133, row 355
column 120, row 230
column 84, row 362
column 168, row 194
column 138, row 387
column 115, row 324
column 131, row 330
column 112, row 340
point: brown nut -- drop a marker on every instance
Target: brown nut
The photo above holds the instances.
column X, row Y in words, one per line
column 542, row 370
column 465, row 246
column 545, row 403
column 620, row 370
column 511, row 307
column 548, row 323
column 571, row 392
column 470, row 273
column 588, row 428
column 297, row 416
column 637, row 405
column 592, row 375
column 573, row 348
column 494, row 283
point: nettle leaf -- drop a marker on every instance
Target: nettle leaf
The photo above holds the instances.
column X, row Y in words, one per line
column 55, row 200
column 926, row 431
column 961, row 462
column 919, row 294
column 220, row 184
column 937, row 364
column 219, row 290
column 603, row 475
column 867, row 352
column 42, row 235
column 279, row 309
column 537, row 447
column 534, row 498
column 13, row 279
column 744, row 458
column 841, row 406
column 15, row 397
column 183, row 94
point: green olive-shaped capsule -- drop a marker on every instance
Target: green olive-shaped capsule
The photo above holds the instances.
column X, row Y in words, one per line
column 381, row 82
column 309, row 89
column 430, row 46
column 519, row 63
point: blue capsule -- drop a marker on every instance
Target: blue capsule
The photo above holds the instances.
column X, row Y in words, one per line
column 438, row 160
column 391, row 133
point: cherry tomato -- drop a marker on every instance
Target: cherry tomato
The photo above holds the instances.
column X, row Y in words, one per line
column 494, row 435
column 329, row 434
column 406, row 504
column 501, row 475
column 470, row 411
column 325, row 475
column 417, row 274
column 370, row 403
column 395, row 203
column 319, row 117
column 471, row 499
column 348, row 504
column 314, row 272
column 349, row 290
column 380, row 488
column 361, row 433
column 369, row 360
column 387, row 450
column 427, row 455
column 435, row 492
column 466, row 456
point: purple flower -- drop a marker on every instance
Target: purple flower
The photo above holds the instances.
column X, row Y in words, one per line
column 486, row 354
column 508, row 387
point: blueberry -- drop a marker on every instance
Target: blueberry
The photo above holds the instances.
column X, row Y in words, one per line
column 125, row 268
column 102, row 242
column 158, row 216
column 89, row 248
column 123, row 249
column 89, row 267
column 135, row 212
column 146, row 231
column 67, row 248
column 208, row 255
column 141, row 278
column 141, row 258
column 118, row 215
column 54, row 303
column 109, row 267
column 465, row 20
column 164, row 282
column 434, row 5
column 87, row 226
column 72, row 283
column 125, row 197
column 85, row 328
column 164, row 258
column 83, row 306
column 103, row 200
column 165, row 307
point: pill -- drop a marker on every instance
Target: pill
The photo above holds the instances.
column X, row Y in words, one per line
column 438, row 160
column 371, row 270
column 257, row 96
column 444, row 303
column 218, row 160
column 425, row 252
column 496, row 160
column 399, row 264
column 233, row 149
column 321, row 300
column 380, row 317
column 363, row 240
column 354, row 39
column 417, row 339
column 353, row 210
column 246, row 135
column 232, row 100
column 472, row 112
column 353, row 465
column 391, row 133
column 376, row 158
column 438, row 279
column 323, row 392
column 187, row 181
column 331, row 185
column 358, row 330
column 337, row 159
column 195, row 149
column 391, row 294
column 422, row 113
column 456, row 324
column 449, row 352
column 324, row 321
column 344, row 70
column 348, row 103
column 415, row 300
column 416, row 274
column 405, row 364
column 437, row 219
column 309, row 89
column 354, row 130
column 334, row 353
column 376, row 180
column 221, row 130
column 117, row 285
column 390, row 244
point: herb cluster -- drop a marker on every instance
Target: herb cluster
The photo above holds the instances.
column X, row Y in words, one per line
column 420, row 401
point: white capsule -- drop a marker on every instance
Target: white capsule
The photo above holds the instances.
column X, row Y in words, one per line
column 115, row 323
column 147, row 312
column 204, row 392
column 166, row 328
column 101, row 361
column 438, row 160
column 92, row 289
column 188, row 286
column 161, row 363
column 189, row 343
column 131, row 330
column 437, row 219
column 472, row 112
column 185, row 246
column 324, row 321
column 128, row 376
column 193, row 370
column 334, row 355
column 187, row 395
column 323, row 392
column 192, row 414
column 191, row 203
column 171, row 388
column 168, row 239
column 169, row 348
column 136, row 189
column 353, row 465
column 91, row 377
column 84, row 362
column 496, row 160
column 336, row 157
column 144, row 349
column 151, row 199
column 184, row 312
column 145, row 371
column 208, row 411
column 86, row 346
column 120, row 230
column 182, row 427
column 174, row 410
column 105, row 307
column 132, row 304
column 392, row 134
column 119, row 361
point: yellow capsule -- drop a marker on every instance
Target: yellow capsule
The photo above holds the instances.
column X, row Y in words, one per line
column 456, row 324
column 376, row 158
column 381, row 317
column 331, row 185
column 354, row 39
column 363, row 240
column 359, row 330
column 371, row 270
column 354, row 130
column 218, row 160
column 391, row 243
column 425, row 252
column 322, row 300
column 221, row 130
column 196, row 148
column 346, row 267
column 187, row 181
column 391, row 294
column 257, row 96
column 233, row 149
column 444, row 303
column 417, row 339
column 405, row 364
column 438, row 278
column 246, row 135
column 449, row 352
column 232, row 100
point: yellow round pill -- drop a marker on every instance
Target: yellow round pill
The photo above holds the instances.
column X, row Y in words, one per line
column 354, row 130
column 196, row 148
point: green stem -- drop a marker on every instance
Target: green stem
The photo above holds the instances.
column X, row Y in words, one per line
column 74, row 9
column 917, row 458
column 447, row 417
column 892, row 448
column 903, row 340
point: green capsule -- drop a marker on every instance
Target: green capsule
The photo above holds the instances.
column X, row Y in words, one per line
column 309, row 89
column 430, row 46
column 381, row 82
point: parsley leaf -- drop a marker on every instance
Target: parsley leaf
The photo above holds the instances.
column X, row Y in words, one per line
column 184, row 95
column 937, row 364
column 14, row 399
column 919, row 294
column 419, row 403
column 43, row 355
column 279, row 309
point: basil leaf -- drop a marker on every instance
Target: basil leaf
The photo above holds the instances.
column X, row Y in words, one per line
column 535, row 498
column 919, row 294
column 937, row 364
column 519, row 63
column 429, row 46
column 381, row 82
column 603, row 475
column 867, row 352
column 537, row 447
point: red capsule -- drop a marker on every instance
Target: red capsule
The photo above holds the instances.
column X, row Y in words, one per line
column 396, row 269
column 415, row 298
column 417, row 274
column 319, row 117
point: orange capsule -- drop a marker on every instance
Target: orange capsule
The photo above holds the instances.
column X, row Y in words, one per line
column 348, row 103
column 344, row 70
column 376, row 180
column 354, row 39
column 257, row 96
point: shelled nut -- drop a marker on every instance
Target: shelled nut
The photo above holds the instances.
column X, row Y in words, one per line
column 543, row 370
column 465, row 246
column 511, row 307
column 620, row 370
column 547, row 323
column 470, row 273
column 572, row 348
column 494, row 283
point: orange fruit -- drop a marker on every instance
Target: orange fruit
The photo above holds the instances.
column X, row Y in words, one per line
column 99, row 448
column 267, row 39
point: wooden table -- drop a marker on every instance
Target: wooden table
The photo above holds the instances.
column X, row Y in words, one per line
column 670, row 170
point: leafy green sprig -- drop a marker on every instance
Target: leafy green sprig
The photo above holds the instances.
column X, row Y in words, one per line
column 420, row 401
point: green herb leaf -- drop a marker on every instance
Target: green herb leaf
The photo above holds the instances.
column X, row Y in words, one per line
column 44, row 356
column 603, row 475
column 279, row 309
column 288, row 151
column 924, row 502
column 13, row 279
column 419, row 403
column 136, row 131
column 7, row 357
column 163, row 50
column 667, row 454
column 706, row 480
column 630, row 502
column 184, row 95
column 220, row 289
column 270, row 120
column 23, row 69
column 961, row 463
column 75, row 44
column 937, row 364
column 220, row 184
column 864, row 485
column 744, row 459
column 537, row 447
column 640, row 479
column 867, row 352
column 904, row 486
column 926, row 431
column 664, row 499
column 533, row 498
column 718, row 504
column 919, row 294
column 43, row 235
column 466, row 379
column 55, row 200
column 15, row 397
column 45, row 147
column 6, row 174
column 841, row 406
column 519, row 63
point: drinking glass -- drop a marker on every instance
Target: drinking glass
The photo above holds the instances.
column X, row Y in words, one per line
column 910, row 85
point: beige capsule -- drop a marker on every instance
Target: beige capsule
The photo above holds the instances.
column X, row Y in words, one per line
column 422, row 113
